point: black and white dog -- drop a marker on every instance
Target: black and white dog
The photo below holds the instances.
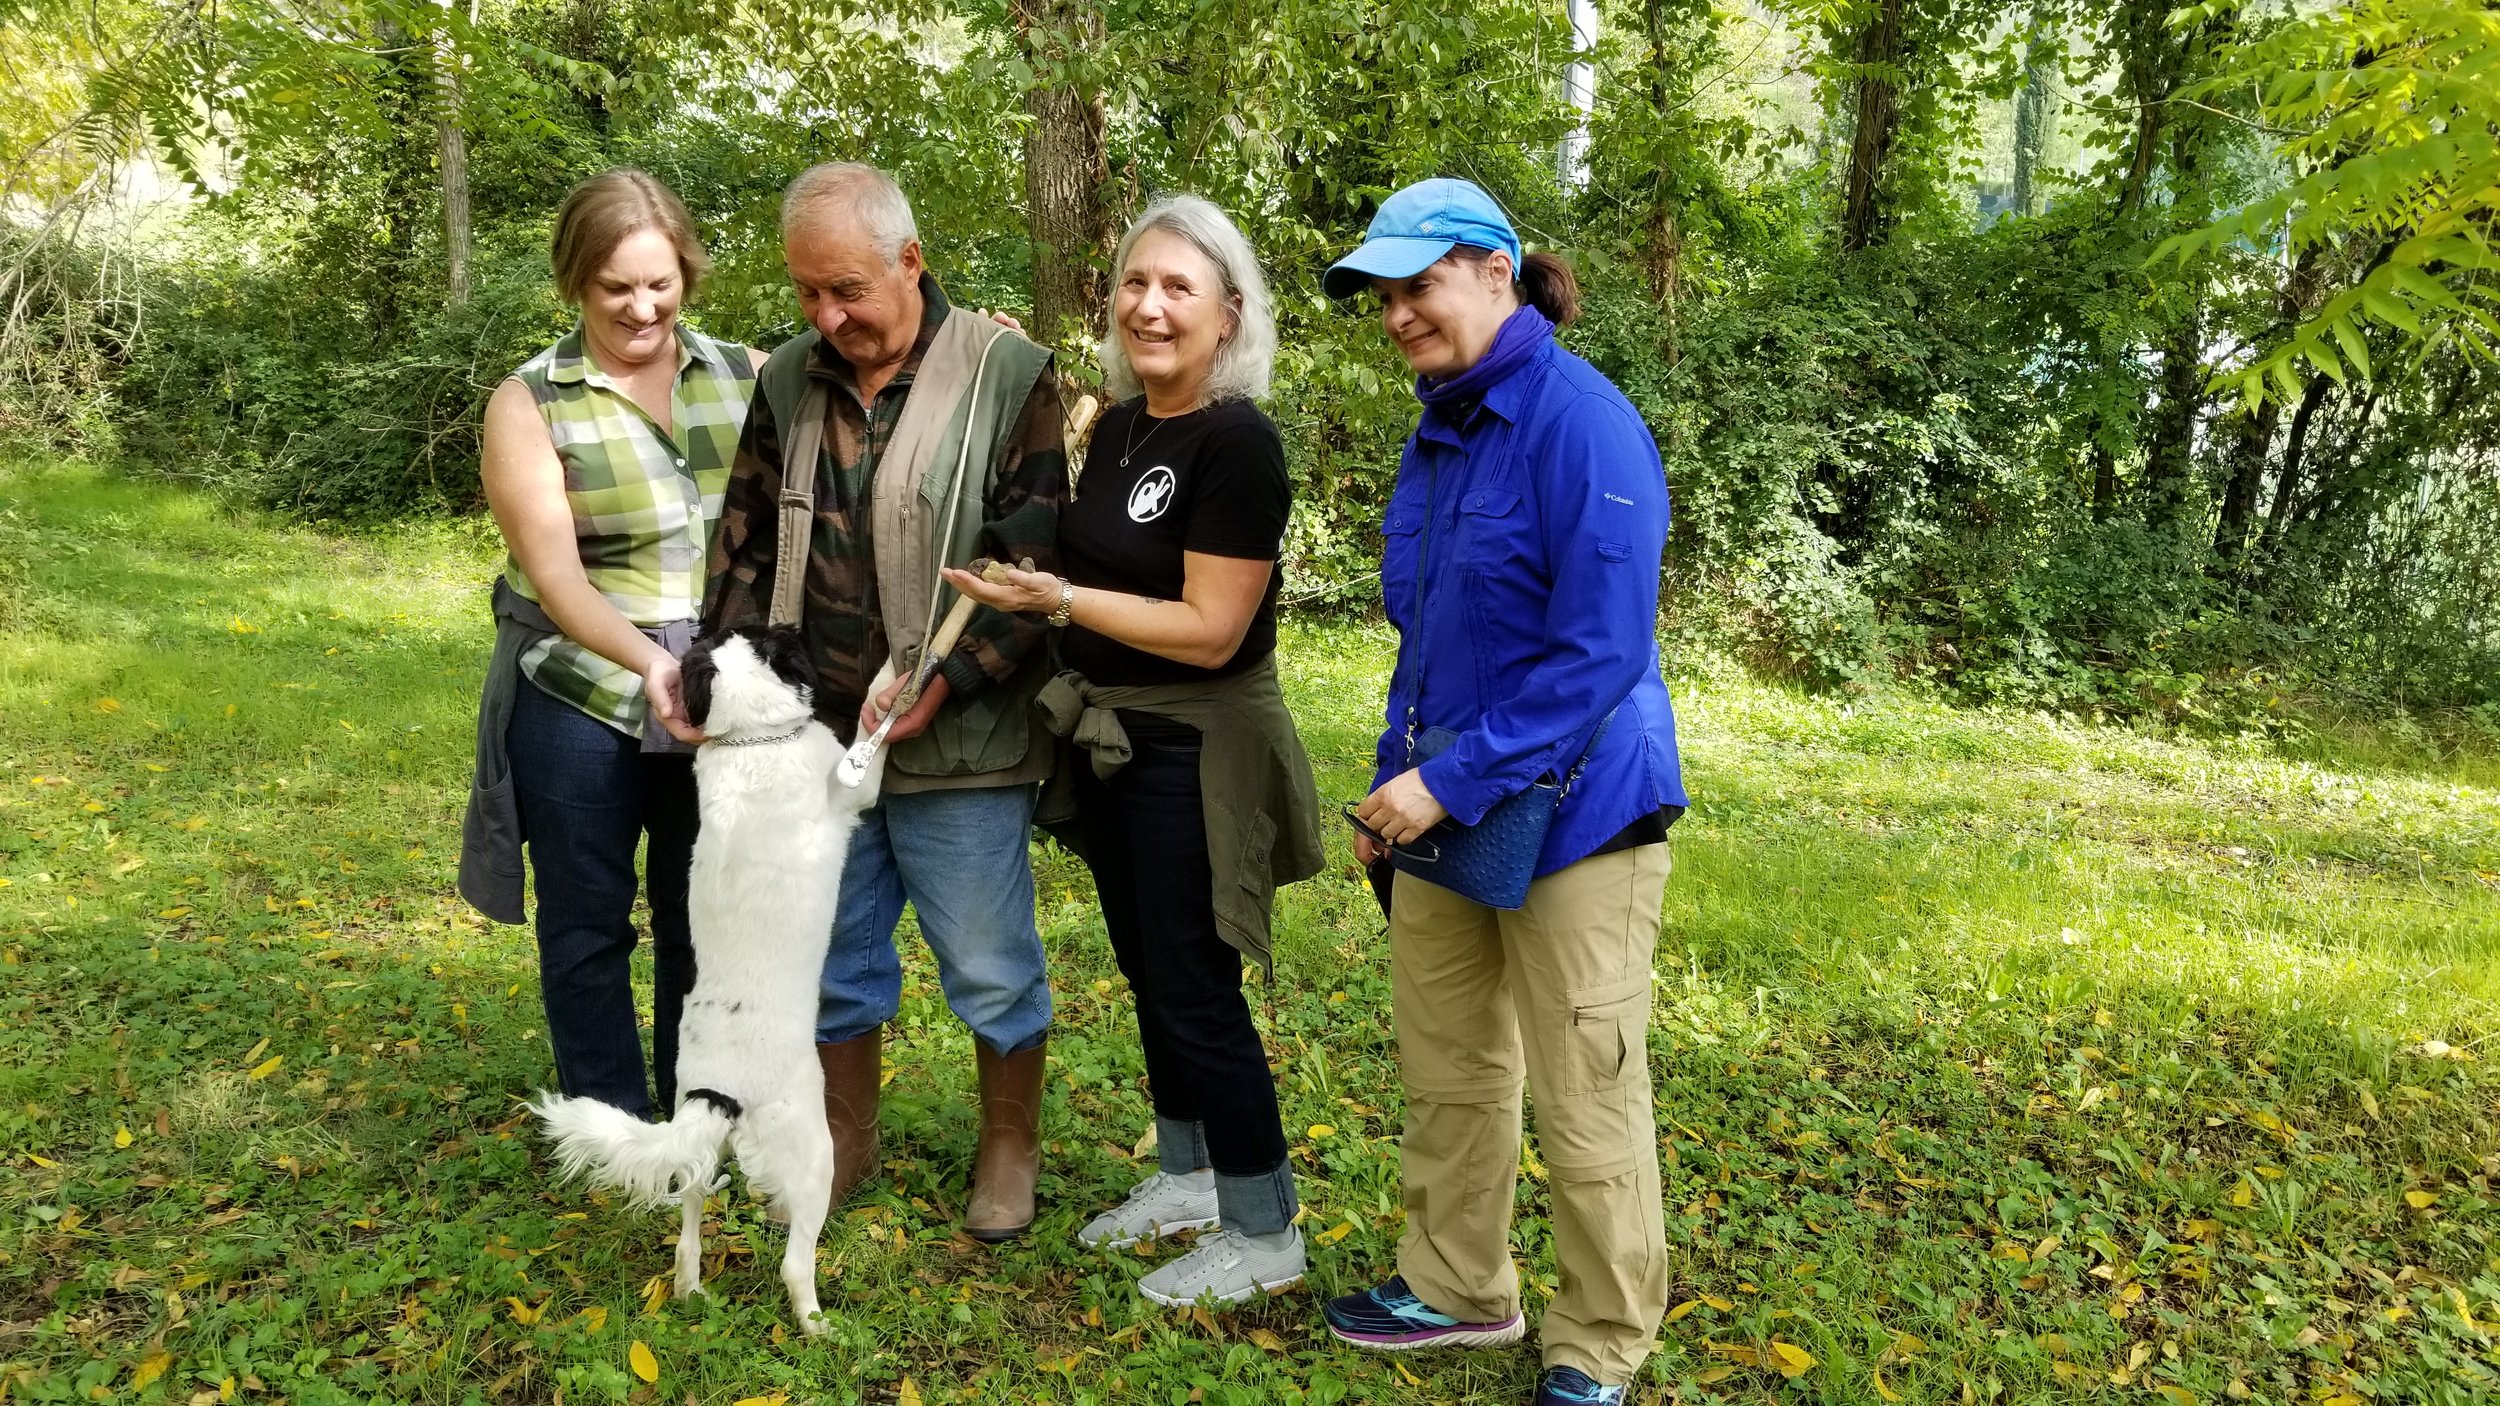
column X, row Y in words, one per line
column 767, row 872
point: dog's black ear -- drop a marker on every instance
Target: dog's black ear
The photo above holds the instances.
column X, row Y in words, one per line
column 694, row 680
column 784, row 651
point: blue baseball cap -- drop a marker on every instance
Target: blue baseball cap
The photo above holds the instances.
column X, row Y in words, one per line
column 1418, row 225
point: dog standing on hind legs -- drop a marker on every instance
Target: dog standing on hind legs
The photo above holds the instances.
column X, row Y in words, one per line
column 767, row 873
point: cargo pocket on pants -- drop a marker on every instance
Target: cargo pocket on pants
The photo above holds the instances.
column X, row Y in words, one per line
column 1608, row 1036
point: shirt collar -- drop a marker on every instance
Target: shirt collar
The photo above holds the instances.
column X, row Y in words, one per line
column 1506, row 398
column 933, row 311
column 571, row 363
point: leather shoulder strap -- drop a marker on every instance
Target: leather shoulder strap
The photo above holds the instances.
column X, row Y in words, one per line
column 798, row 506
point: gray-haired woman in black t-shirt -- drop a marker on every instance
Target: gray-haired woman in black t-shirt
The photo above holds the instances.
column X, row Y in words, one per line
column 1169, row 599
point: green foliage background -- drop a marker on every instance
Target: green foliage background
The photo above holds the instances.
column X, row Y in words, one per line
column 2191, row 413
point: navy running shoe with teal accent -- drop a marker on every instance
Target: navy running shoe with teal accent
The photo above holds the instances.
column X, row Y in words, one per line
column 1389, row 1318
column 1569, row 1386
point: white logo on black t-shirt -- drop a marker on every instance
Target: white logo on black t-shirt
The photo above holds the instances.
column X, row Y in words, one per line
column 1152, row 495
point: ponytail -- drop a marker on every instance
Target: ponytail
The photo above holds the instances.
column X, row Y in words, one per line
column 1547, row 284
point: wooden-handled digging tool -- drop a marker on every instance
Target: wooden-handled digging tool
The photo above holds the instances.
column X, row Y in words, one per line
column 856, row 762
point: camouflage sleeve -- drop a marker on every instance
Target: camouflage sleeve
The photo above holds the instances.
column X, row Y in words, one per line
column 1021, row 519
column 738, row 584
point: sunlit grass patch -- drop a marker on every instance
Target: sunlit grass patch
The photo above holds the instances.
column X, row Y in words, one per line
column 1998, row 1056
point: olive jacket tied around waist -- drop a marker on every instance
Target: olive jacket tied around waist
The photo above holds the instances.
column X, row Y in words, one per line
column 1261, row 807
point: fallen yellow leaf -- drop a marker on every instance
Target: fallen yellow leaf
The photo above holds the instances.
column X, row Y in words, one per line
column 1334, row 1233
column 655, row 1293
column 1883, row 1390
column 121, row 1135
column 1791, row 1360
column 254, row 1052
column 267, row 1066
column 776, row 1399
column 909, row 1395
column 1322, row 1130
column 1267, row 1340
column 155, row 1364
column 525, row 1314
column 111, row 705
column 1680, row 1310
column 2244, row 1195
column 2421, row 1200
column 2174, row 1392
column 1411, row 1378
column 1722, row 1305
column 594, row 1318
column 647, row 1366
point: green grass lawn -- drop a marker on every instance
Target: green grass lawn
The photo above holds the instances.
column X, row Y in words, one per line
column 1999, row 1058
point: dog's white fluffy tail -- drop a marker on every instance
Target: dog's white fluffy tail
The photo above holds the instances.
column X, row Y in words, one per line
column 651, row 1163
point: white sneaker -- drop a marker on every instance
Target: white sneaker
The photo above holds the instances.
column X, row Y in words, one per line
column 1225, row 1269
column 1160, row 1205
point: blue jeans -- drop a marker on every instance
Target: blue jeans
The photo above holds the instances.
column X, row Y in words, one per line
column 588, row 796
column 964, row 860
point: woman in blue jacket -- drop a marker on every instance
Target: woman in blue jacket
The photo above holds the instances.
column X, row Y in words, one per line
column 1521, row 570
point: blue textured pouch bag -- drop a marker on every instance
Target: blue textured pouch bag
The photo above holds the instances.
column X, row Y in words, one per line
column 1492, row 861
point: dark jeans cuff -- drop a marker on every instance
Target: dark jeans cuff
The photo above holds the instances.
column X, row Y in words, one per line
column 1180, row 1148
column 1264, row 1204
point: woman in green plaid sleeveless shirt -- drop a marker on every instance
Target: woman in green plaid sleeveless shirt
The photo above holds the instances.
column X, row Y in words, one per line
column 604, row 462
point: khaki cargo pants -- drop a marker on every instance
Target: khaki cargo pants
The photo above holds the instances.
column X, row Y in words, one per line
column 1559, row 991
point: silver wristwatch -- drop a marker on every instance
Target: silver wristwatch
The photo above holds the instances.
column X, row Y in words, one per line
column 1067, row 602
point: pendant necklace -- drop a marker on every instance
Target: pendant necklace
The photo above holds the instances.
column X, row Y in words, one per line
column 1129, row 450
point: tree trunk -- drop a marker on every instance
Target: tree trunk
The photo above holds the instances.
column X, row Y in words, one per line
column 452, row 147
column 2148, row 70
column 2104, row 481
column 1665, row 260
column 2169, row 449
column 1580, row 91
column 1066, row 168
column 1863, row 217
column 2170, row 438
column 1663, row 257
column 2251, row 444
column 2035, row 118
column 2287, row 479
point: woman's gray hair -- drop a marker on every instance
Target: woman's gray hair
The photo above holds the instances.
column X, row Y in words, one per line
column 1245, row 360
column 858, row 192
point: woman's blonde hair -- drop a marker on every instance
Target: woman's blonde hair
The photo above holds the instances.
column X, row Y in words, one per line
column 1246, row 360
column 603, row 212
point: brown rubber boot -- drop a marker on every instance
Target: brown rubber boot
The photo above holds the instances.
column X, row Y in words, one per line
column 854, row 1076
column 1010, row 1158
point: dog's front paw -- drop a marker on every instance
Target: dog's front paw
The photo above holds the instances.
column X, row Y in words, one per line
column 817, row 1324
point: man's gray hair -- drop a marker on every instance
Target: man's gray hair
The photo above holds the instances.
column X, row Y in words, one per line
column 857, row 192
column 1246, row 360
